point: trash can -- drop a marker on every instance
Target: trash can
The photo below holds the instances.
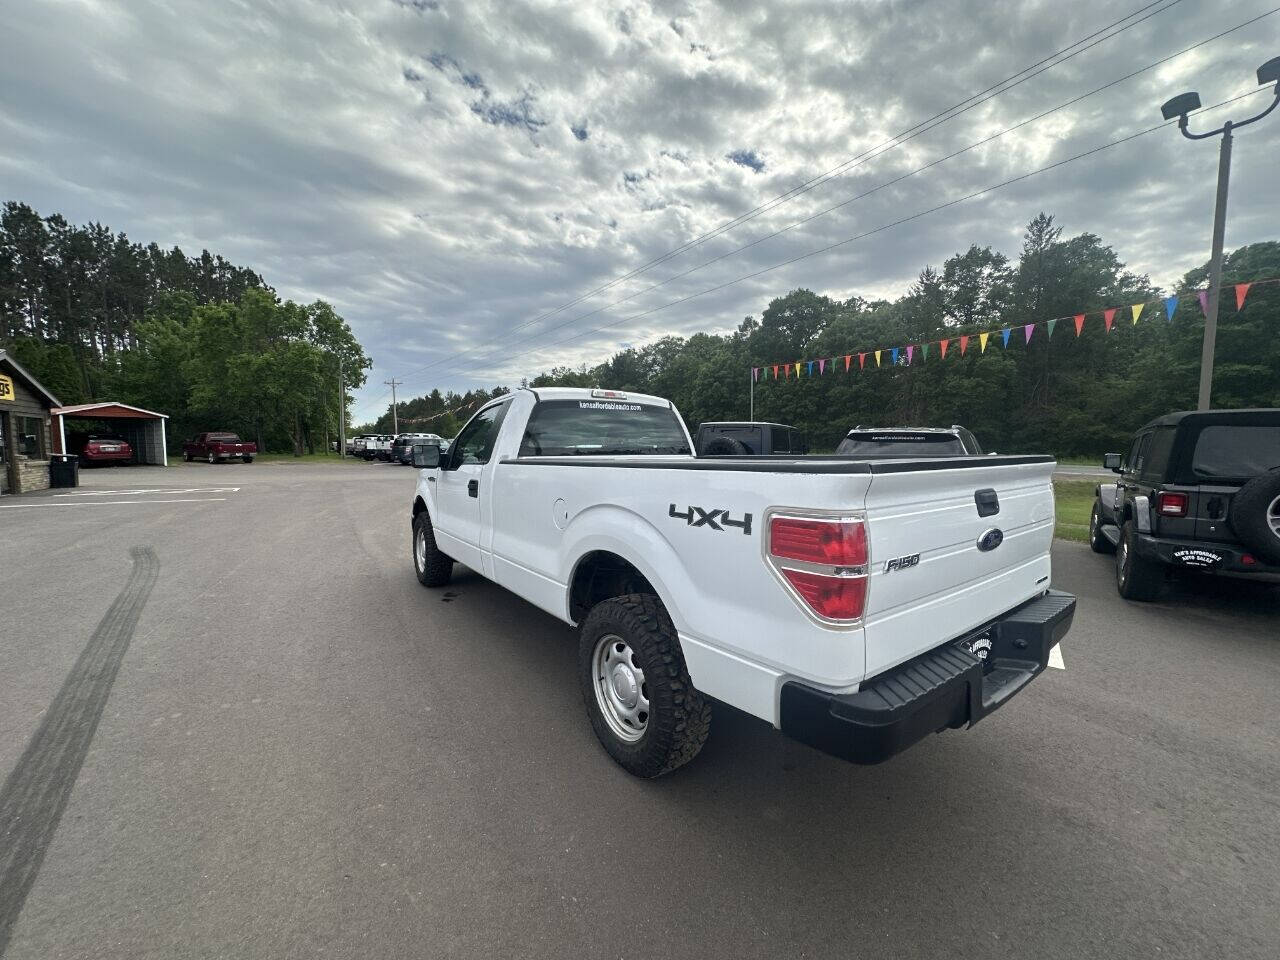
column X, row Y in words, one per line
column 64, row 470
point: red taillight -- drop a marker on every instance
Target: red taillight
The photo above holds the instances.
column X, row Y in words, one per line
column 1248, row 559
column 838, row 543
column 836, row 598
column 1172, row 504
column 824, row 560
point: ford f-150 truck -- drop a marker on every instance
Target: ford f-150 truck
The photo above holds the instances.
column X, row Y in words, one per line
column 215, row 447
column 859, row 605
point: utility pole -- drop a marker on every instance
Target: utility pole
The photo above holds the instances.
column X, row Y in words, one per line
column 342, row 413
column 752, row 416
column 1179, row 107
column 395, row 419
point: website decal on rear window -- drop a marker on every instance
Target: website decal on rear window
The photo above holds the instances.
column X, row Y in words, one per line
column 597, row 405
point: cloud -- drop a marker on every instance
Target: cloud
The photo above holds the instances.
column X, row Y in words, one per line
column 453, row 175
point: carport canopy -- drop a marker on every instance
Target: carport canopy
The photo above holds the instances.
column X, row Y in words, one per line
column 144, row 429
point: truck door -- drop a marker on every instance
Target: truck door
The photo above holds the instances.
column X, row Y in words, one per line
column 460, row 489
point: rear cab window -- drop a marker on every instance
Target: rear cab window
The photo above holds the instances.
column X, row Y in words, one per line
column 582, row 427
column 894, row 443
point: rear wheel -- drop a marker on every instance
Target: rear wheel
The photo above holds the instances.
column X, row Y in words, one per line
column 1136, row 578
column 187, row 457
column 211, row 458
column 248, row 459
column 1097, row 540
column 642, row 705
column 434, row 568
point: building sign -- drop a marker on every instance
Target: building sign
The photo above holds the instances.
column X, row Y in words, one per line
column 6, row 387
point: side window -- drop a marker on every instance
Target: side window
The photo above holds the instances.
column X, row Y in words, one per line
column 1144, row 445
column 1131, row 456
column 1157, row 459
column 475, row 442
column 781, row 442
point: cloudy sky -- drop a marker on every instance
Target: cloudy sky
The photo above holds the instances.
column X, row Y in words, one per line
column 448, row 173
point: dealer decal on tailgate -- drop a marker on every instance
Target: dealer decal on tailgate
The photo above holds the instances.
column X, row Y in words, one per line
column 1197, row 558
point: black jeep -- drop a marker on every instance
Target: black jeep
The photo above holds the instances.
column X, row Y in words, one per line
column 1198, row 490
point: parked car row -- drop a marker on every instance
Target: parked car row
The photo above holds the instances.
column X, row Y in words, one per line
column 389, row 448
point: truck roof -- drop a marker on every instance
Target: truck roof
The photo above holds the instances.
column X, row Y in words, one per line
column 743, row 423
column 596, row 393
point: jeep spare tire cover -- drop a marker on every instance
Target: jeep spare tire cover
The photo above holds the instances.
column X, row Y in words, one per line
column 1255, row 516
column 725, row 447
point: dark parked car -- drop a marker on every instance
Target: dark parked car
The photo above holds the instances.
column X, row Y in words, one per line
column 99, row 448
column 1198, row 490
column 952, row 441
column 746, row 438
column 219, row 448
column 402, row 448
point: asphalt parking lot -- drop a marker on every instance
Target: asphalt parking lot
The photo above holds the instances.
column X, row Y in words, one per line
column 258, row 736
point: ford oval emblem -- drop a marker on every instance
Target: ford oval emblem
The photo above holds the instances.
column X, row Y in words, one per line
column 991, row 539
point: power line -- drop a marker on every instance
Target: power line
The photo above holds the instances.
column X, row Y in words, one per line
column 880, row 229
column 843, row 203
column 1032, row 71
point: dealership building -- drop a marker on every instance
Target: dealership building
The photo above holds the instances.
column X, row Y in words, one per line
column 25, row 415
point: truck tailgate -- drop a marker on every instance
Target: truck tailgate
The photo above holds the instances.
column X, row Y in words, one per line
column 931, row 580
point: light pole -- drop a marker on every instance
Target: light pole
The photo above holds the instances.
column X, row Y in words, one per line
column 1179, row 107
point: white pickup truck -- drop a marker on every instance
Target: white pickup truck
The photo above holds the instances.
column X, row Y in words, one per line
column 859, row 605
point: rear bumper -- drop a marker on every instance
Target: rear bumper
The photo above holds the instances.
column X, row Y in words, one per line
column 946, row 687
column 1205, row 555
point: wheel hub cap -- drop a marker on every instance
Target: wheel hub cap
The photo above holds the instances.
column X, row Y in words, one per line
column 621, row 692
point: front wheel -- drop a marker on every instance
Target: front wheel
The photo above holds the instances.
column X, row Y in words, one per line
column 1097, row 541
column 212, row 459
column 1136, row 578
column 434, row 568
column 186, row 457
column 248, row 459
column 642, row 705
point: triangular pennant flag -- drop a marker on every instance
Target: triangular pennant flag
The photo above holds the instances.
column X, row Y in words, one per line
column 797, row 369
column 894, row 354
column 1242, row 291
column 924, row 352
column 808, row 367
column 1049, row 325
column 1005, row 333
column 1079, row 320
column 1108, row 318
column 775, row 371
column 1028, row 330
column 862, row 361
column 877, row 358
column 822, row 366
column 910, row 350
column 787, row 370
column 964, row 344
column 846, row 363
column 1136, row 309
column 1204, row 301
column 755, row 374
column 1170, row 305
column 982, row 342
column 943, row 345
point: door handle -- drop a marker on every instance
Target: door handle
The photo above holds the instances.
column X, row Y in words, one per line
column 473, row 488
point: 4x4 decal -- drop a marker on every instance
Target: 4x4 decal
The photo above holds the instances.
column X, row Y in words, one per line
column 698, row 517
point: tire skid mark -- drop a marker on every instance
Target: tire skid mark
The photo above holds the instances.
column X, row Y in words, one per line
column 36, row 792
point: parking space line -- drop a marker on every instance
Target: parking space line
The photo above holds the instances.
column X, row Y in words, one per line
column 1055, row 657
column 107, row 503
column 129, row 493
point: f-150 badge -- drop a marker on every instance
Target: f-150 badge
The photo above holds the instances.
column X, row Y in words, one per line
column 697, row 517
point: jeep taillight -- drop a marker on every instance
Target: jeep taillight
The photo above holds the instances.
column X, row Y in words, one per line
column 824, row 561
column 1172, row 504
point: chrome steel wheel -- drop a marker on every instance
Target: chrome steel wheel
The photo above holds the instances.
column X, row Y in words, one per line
column 420, row 548
column 620, row 688
column 1273, row 517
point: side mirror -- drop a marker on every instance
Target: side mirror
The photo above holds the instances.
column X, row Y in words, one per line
column 1111, row 461
column 426, row 456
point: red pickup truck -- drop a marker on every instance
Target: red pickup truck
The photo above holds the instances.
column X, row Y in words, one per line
column 218, row 446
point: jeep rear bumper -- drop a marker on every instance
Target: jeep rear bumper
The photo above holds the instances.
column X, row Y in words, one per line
column 1206, row 555
column 946, row 687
